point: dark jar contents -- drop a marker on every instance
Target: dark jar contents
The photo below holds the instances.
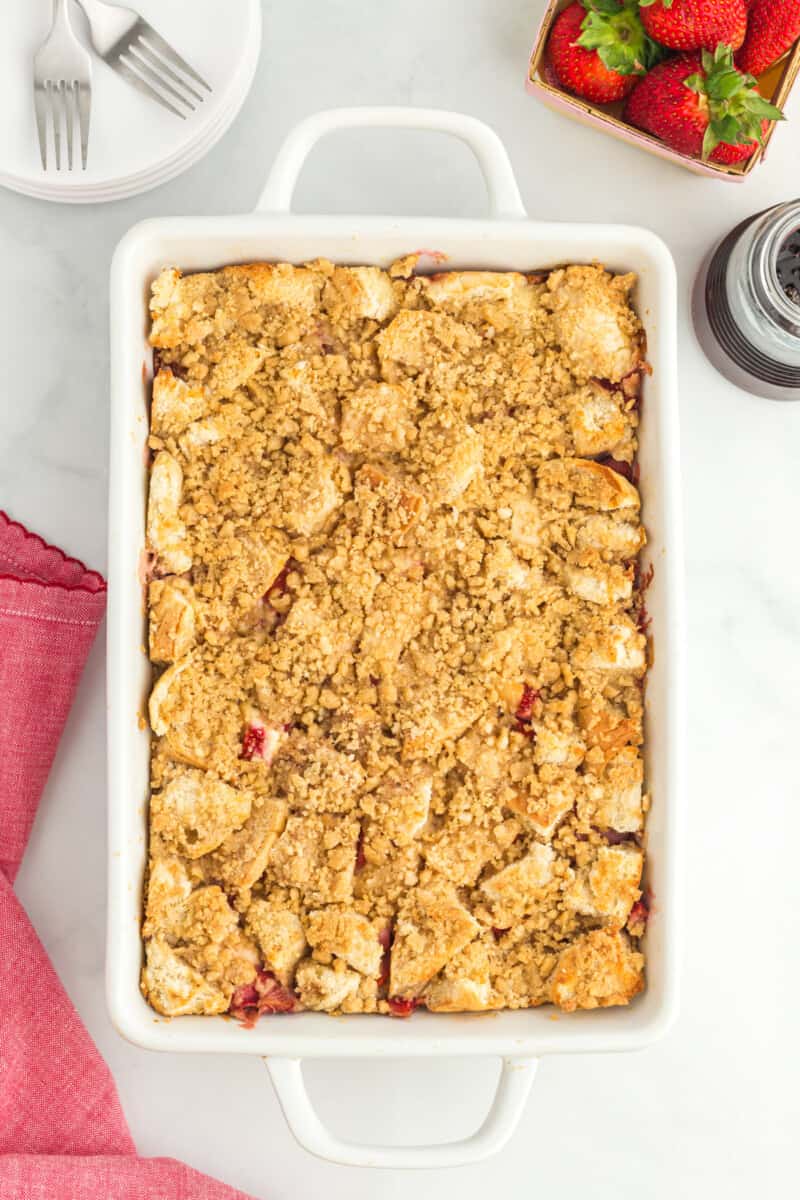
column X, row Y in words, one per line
column 788, row 267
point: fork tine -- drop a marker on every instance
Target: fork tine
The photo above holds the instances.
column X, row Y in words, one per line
column 84, row 101
column 165, row 50
column 144, row 65
column 149, row 55
column 40, row 101
column 135, row 78
column 69, row 115
column 55, row 115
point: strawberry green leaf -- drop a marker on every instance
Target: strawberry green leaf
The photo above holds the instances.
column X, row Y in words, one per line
column 736, row 109
column 614, row 30
column 710, row 142
column 764, row 110
column 727, row 129
column 647, row 3
column 608, row 8
column 725, row 85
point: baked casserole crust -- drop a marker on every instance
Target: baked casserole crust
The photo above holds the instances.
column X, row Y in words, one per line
column 398, row 633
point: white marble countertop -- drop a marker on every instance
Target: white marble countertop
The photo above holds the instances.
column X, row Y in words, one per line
column 714, row 1106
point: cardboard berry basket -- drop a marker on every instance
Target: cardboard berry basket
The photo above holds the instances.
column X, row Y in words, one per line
column 775, row 85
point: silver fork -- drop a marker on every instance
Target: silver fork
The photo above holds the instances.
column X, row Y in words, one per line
column 136, row 51
column 62, row 87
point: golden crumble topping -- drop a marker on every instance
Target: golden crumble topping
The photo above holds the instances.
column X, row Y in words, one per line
column 397, row 627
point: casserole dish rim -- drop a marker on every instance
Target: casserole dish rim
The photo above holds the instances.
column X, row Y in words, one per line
column 208, row 242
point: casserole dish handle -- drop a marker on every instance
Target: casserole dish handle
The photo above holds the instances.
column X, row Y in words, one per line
column 501, row 185
column 515, row 1082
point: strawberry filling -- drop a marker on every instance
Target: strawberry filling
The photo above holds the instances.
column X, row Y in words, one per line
column 643, row 620
column 253, row 742
column 276, row 611
column 325, row 338
column 264, row 995
column 642, row 581
column 361, row 858
column 174, row 368
column 147, row 567
column 401, row 1006
column 629, row 471
column 632, row 387
column 261, row 741
column 385, row 939
column 639, row 916
column 605, row 384
column 245, row 996
column 499, row 930
column 280, row 586
column 525, row 707
column 615, row 838
column 524, row 712
column 629, row 385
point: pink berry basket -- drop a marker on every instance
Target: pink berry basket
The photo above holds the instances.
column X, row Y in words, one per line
column 775, row 85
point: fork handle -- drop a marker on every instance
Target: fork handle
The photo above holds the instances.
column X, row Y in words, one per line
column 91, row 6
column 107, row 21
column 62, row 17
column 98, row 12
column 104, row 10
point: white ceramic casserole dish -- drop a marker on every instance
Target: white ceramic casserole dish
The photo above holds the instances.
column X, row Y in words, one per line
column 506, row 241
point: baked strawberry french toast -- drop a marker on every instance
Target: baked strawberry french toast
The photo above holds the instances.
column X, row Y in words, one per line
column 397, row 630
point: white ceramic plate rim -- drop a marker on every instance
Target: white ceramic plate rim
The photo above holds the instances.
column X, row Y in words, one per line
column 65, row 191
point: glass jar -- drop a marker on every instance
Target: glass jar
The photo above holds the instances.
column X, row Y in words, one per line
column 746, row 304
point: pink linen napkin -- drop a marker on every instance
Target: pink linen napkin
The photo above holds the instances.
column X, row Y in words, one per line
column 62, row 1132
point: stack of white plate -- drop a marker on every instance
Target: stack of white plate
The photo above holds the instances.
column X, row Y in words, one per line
column 135, row 144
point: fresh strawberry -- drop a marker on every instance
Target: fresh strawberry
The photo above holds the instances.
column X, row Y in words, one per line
column 598, row 47
column 614, row 29
column 700, row 105
column 695, row 24
column 773, row 26
column 729, row 155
